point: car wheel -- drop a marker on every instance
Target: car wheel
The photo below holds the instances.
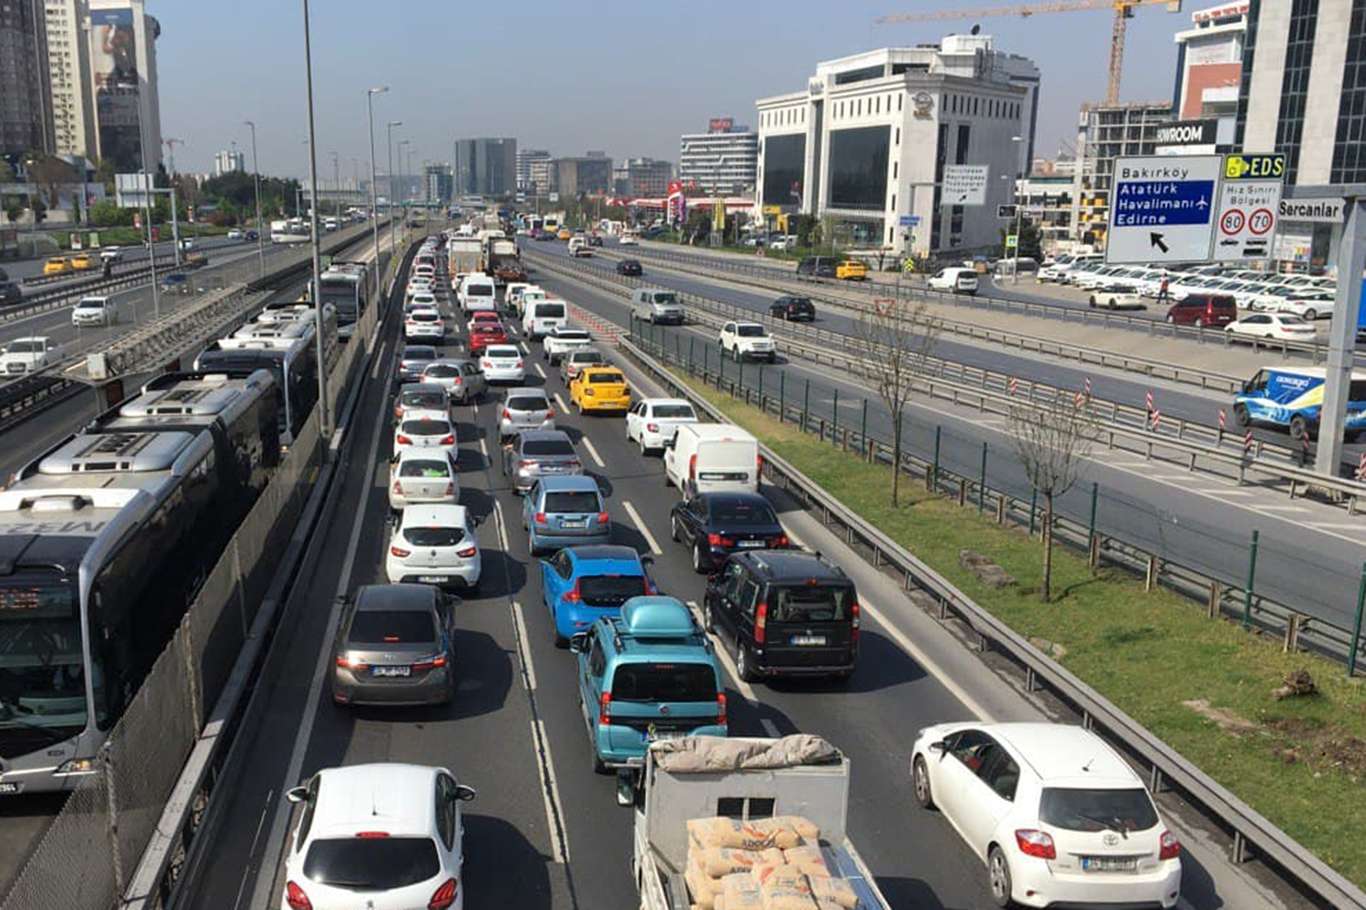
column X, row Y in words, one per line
column 673, row 529
column 560, row 641
column 1298, row 427
column 998, row 871
column 920, row 778
column 707, row 623
column 1241, row 416
column 1171, row 320
column 1311, row 315
column 1092, row 302
column 699, row 562
column 1112, row 303
column 742, row 664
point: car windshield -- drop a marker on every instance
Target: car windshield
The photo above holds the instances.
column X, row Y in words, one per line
column 1292, row 320
column 373, row 627
column 750, row 331
column 90, row 303
column 810, row 603
column 433, row 537
column 1078, row 809
column 371, row 863
column 572, row 501
column 425, row 467
column 547, row 447
column 663, row 682
column 528, row 403
column 42, row 675
column 664, row 297
column 743, row 511
column 426, row 427
column 25, row 347
column 442, row 371
column 674, row 412
column 606, row 377
column 798, row 302
column 550, row 311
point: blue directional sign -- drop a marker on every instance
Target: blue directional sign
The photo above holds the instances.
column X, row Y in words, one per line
column 1162, row 209
column 908, row 220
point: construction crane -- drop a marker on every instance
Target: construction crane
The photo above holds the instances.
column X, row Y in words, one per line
column 1124, row 10
column 171, row 142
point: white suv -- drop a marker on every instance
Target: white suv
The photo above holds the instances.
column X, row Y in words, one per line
column 1052, row 811
column 405, row 850
column 748, row 341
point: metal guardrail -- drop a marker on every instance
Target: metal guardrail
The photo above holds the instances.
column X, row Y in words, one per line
column 1250, row 830
column 58, row 298
column 23, row 398
column 131, row 264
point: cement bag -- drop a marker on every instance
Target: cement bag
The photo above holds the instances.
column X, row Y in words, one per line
column 721, row 861
column 808, row 859
column 780, row 876
column 740, row 893
column 781, row 831
column 787, row 896
column 702, row 887
column 730, row 832
column 834, row 891
column 805, row 828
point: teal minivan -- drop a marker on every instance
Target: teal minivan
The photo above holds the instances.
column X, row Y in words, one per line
column 645, row 675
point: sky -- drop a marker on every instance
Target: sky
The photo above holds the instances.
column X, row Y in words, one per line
column 625, row 77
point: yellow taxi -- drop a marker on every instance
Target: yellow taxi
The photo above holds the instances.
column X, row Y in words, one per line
column 564, row 234
column 851, row 270
column 81, row 261
column 600, row 389
column 57, row 265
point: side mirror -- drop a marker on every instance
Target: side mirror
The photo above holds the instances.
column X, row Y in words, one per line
column 673, row 441
column 297, row 794
column 578, row 644
column 647, row 560
column 465, row 793
column 938, row 748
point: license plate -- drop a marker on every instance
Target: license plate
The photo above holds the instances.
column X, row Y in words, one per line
column 431, row 579
column 393, row 671
column 9, row 789
column 1109, row 864
column 751, row 543
column 574, row 523
column 660, row 735
column 807, row 640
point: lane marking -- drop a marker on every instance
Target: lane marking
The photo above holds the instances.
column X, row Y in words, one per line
column 256, row 838
column 564, row 408
column 540, row 370
column 523, row 649
column 1281, row 509
column 640, row 525
column 559, row 838
column 379, row 359
column 483, row 447
column 592, row 450
column 502, row 527
column 1324, row 524
column 727, row 661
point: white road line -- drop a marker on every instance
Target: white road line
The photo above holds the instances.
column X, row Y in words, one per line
column 483, row 447
column 727, row 661
column 1324, row 524
column 1226, row 492
column 640, row 525
column 256, row 838
column 564, row 408
column 559, row 839
column 379, row 359
column 540, row 369
column 523, row 647
column 498, row 520
column 1281, row 509
column 525, row 350
column 592, row 450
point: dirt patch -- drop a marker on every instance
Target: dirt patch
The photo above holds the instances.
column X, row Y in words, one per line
column 1225, row 719
column 986, row 571
column 1051, row 648
column 1323, row 748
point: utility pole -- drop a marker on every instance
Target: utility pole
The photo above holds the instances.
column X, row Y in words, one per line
column 260, row 226
column 374, row 204
column 336, row 184
column 392, row 239
column 324, row 413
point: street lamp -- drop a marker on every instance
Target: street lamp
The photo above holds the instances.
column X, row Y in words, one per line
column 374, row 203
column 1015, row 275
column 260, row 226
column 403, row 214
column 392, row 239
column 324, row 415
column 336, row 186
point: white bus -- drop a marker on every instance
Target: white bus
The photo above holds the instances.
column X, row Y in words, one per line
column 290, row 230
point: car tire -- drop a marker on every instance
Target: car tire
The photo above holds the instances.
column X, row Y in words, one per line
column 743, row 667
column 707, row 624
column 699, row 562
column 1092, row 302
column 1241, row 416
column 920, row 782
column 561, row 642
column 673, row 529
column 998, row 877
column 1298, row 427
column 1311, row 315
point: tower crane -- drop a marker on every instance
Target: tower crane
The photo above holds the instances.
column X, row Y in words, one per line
column 171, row 142
column 1124, row 10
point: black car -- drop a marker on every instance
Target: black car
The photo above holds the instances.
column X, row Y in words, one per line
column 594, row 240
column 715, row 525
column 176, row 282
column 784, row 613
column 252, row 235
column 10, row 293
column 793, row 309
column 818, row 266
column 629, row 267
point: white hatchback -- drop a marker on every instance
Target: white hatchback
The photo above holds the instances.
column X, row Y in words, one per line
column 434, row 543
column 653, row 422
column 1055, row 814
column 502, row 363
column 425, row 429
column 386, row 836
column 424, row 324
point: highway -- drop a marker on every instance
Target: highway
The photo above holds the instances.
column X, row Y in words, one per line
column 545, row 831
column 20, row 269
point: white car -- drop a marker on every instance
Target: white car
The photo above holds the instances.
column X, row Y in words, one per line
column 1115, row 297
column 434, row 544
column 425, row 430
column 578, row 246
column 405, row 850
column 419, row 299
column 628, row 240
column 95, row 311
column 417, row 285
column 111, row 254
column 958, row 279
column 1272, row 327
column 747, row 341
column 530, row 294
column 422, row 476
column 477, row 293
column 563, row 339
column 236, row 234
column 512, row 290
column 541, row 317
column 1305, row 304
column 502, row 363
column 1055, row 814
column 421, row 395
column 28, row 355
column 424, row 324
column 652, row 422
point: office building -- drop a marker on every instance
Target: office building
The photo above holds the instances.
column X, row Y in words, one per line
column 227, row 161
column 1209, row 62
column 1046, row 201
column 585, row 176
column 865, row 144
column 648, row 177
column 1106, row 132
column 68, row 56
column 123, row 84
column 25, row 82
column 540, row 174
column 525, row 159
column 485, row 167
column 723, row 161
column 439, row 183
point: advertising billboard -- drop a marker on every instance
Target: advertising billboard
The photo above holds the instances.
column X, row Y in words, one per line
column 114, row 68
column 720, row 124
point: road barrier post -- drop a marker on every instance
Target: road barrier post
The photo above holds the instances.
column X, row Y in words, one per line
column 863, row 430
column 720, row 368
column 1251, row 580
column 691, row 340
column 982, row 484
column 782, row 396
column 938, row 431
column 1092, row 544
column 835, row 418
column 740, row 369
column 1355, row 644
column 761, row 387
column 706, row 362
column 806, row 404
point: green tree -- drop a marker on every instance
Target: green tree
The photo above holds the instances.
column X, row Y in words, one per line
column 104, row 173
column 1030, row 239
column 6, row 172
column 106, row 213
column 14, row 207
column 807, row 228
column 49, row 173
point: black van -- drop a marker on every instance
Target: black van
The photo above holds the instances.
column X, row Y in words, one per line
column 784, row 613
column 818, row 266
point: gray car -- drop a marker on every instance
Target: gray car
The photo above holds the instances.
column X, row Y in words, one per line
column 414, row 360
column 574, row 361
column 539, row 453
column 395, row 647
column 524, row 409
column 461, row 379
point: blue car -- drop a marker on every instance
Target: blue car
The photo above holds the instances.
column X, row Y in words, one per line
column 580, row 585
column 561, row 511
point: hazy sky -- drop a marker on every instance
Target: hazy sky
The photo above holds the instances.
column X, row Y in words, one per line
column 626, row 77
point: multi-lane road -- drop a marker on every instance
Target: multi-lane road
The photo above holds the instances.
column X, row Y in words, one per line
column 26, row 268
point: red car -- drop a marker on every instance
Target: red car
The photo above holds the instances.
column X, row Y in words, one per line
column 483, row 334
column 484, row 316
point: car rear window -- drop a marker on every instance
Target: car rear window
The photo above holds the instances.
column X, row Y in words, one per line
column 503, row 353
column 419, row 354
column 487, row 328
column 743, row 511
column 547, row 447
column 549, row 311
column 674, row 411
column 810, row 603
column 749, row 331
column 391, row 627
column 433, row 537
column 571, row 501
column 572, row 335
column 426, row 427
column 528, row 403
column 371, row 863
column 586, row 357
column 424, row 317
column 442, row 370
column 663, row 682
column 479, row 290
column 1076, row 809
column 431, row 400
column 426, row 467
column 606, row 377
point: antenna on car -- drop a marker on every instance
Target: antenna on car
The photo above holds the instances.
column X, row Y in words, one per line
column 1086, row 766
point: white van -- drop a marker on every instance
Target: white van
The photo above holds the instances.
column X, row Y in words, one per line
column 712, row 458
column 541, row 317
column 477, row 293
column 958, row 279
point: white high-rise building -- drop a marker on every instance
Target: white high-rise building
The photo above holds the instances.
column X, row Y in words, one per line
column 123, row 83
column 722, row 161
column 68, row 56
column 227, row 161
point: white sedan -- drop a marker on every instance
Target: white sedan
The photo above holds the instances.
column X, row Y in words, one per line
column 1116, row 297
column 421, row 476
column 426, row 430
column 424, row 324
column 502, row 363
column 1272, row 327
column 652, row 422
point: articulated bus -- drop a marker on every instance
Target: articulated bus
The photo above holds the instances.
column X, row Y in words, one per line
column 104, row 542
column 344, row 287
column 292, row 362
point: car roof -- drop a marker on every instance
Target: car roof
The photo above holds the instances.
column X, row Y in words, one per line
column 785, row 565
column 395, row 597
column 732, row 497
column 569, row 482
column 426, row 453
column 531, row 435
column 417, row 348
column 501, row 348
column 654, row 401
column 434, row 515
column 519, row 390
column 604, row 368
column 391, row 797
column 605, row 552
column 1065, row 754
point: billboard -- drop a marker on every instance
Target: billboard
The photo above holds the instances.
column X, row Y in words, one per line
column 720, row 124
column 114, row 69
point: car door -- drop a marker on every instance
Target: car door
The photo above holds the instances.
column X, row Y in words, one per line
column 991, row 796
column 723, row 600
column 692, row 514
column 531, row 503
column 955, row 781
column 633, row 419
column 555, row 573
column 727, row 334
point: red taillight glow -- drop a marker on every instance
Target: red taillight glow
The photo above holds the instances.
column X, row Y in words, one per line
column 450, row 489
column 372, row 835
column 427, row 663
column 692, row 467
column 1171, row 847
column 652, row 427
column 718, row 540
column 539, row 518
column 603, row 518
column 444, row 898
column 448, row 439
column 781, row 541
column 720, row 709
column 1035, row 843
column 466, row 552
column 398, row 488
column 507, row 415
column 758, row 465
column 854, row 621
column 400, row 552
column 550, row 414
column 605, row 708
column 295, row 897
column 346, row 663
column 573, row 595
column 760, row 623
column 404, row 440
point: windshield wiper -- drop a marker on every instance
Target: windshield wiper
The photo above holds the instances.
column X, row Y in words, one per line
column 1107, row 823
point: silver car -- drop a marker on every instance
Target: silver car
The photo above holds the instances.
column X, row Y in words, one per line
column 574, row 361
column 395, row 647
column 414, row 360
column 539, row 453
column 461, row 379
column 420, row 396
column 524, row 409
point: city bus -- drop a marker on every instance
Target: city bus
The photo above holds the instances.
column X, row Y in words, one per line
column 344, row 287
column 292, row 362
column 105, row 540
column 290, row 230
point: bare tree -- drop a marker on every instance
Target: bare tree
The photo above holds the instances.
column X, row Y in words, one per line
column 1053, row 440
column 899, row 337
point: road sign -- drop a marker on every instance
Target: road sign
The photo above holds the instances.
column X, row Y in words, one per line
column 1162, row 209
column 1005, row 211
column 908, row 220
column 1249, row 197
column 1012, row 241
column 964, row 184
column 1329, row 210
column 773, row 210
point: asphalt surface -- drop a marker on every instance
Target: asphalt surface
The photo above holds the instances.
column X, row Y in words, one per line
column 23, row 268
column 545, row 831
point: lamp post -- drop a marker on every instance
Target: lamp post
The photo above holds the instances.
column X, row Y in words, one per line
column 374, row 204
column 260, row 226
column 324, row 417
column 336, row 185
column 1015, row 274
column 392, row 239
column 403, row 180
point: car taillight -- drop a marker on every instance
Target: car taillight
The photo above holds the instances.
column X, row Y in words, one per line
column 720, row 709
column 854, row 622
column 398, row 488
column 526, row 463
column 539, row 518
column 1035, row 843
column 519, row 364
column 603, row 518
column 573, row 595
column 346, row 662
column 400, row 552
column 760, row 623
column 758, row 466
column 295, row 897
column 717, row 540
column 466, row 552
column 372, row 835
column 507, row 415
column 404, row 440
column 550, row 414
column 450, row 488
column 692, row 467
column 652, row 427
column 781, row 542
column 423, row 664
column 448, row 440
column 444, row 898
column 1171, row 847
column 605, row 708
column 486, row 364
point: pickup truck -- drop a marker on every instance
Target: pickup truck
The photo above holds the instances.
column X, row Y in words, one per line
column 28, row 355
column 695, row 777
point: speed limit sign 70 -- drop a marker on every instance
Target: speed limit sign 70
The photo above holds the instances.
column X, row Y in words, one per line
column 1261, row 221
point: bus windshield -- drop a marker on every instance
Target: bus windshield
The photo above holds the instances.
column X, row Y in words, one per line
column 42, row 674
column 344, row 295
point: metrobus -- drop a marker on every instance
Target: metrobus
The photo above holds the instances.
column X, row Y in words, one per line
column 344, row 287
column 290, row 230
column 292, row 362
column 105, row 540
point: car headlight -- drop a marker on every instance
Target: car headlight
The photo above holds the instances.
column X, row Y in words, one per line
column 76, row 766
